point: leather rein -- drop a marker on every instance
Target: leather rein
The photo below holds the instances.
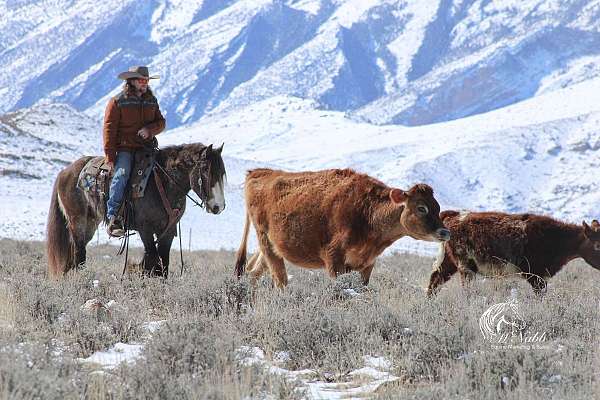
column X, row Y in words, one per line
column 173, row 213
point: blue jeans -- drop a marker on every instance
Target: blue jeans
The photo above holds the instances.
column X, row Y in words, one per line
column 119, row 182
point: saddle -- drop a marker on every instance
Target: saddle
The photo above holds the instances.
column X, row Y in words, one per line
column 95, row 176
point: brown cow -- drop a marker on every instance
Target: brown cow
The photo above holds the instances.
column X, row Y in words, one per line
column 496, row 244
column 337, row 219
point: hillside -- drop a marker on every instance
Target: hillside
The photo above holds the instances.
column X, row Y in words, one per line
column 384, row 61
column 539, row 155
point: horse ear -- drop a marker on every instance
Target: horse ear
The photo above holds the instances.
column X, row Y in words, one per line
column 206, row 151
column 220, row 149
column 587, row 231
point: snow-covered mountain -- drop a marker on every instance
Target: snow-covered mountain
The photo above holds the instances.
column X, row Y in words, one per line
column 34, row 145
column 539, row 155
column 407, row 62
column 496, row 104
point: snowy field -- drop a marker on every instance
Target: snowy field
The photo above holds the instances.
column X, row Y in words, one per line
column 206, row 335
column 537, row 156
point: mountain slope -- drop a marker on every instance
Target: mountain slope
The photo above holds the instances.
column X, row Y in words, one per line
column 382, row 61
column 539, row 155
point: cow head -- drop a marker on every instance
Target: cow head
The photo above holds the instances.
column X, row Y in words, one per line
column 420, row 217
column 590, row 248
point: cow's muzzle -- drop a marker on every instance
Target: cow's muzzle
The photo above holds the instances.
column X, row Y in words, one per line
column 443, row 234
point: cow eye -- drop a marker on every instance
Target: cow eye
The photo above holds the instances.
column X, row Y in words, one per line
column 422, row 210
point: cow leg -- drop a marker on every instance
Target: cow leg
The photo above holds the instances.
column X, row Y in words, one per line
column 466, row 277
column 256, row 267
column 467, row 273
column 441, row 273
column 164, row 252
column 365, row 273
column 273, row 261
column 335, row 258
column 537, row 283
column 253, row 261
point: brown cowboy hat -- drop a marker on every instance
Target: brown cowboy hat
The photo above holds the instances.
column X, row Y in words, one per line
column 136, row 72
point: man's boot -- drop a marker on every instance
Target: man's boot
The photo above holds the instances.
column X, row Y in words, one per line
column 115, row 227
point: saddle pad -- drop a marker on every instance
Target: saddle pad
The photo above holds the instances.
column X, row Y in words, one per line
column 95, row 176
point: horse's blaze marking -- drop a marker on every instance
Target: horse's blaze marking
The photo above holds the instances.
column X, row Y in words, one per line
column 218, row 197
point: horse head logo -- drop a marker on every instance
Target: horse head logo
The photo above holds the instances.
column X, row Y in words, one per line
column 502, row 322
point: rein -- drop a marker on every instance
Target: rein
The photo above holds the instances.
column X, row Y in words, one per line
column 200, row 204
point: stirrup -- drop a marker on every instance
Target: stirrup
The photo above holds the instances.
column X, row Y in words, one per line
column 116, row 232
column 115, row 228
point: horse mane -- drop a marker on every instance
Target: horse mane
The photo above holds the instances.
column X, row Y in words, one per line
column 172, row 157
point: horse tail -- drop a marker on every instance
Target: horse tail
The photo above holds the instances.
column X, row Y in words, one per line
column 59, row 242
column 241, row 253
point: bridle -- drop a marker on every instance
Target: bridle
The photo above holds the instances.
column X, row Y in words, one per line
column 205, row 187
column 203, row 195
column 202, row 201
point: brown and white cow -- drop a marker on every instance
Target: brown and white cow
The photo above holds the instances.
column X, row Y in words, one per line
column 496, row 244
column 337, row 219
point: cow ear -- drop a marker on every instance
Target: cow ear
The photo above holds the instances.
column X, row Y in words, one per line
column 398, row 196
column 586, row 228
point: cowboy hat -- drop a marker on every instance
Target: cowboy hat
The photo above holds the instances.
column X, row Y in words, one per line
column 136, row 72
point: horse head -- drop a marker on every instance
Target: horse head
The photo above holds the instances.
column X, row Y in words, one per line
column 208, row 178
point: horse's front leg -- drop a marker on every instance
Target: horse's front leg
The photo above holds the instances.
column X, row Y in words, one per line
column 164, row 250
column 151, row 260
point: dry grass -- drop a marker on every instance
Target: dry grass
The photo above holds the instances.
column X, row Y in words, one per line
column 434, row 344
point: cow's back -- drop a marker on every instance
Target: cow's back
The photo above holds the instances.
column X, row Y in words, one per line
column 488, row 237
column 302, row 211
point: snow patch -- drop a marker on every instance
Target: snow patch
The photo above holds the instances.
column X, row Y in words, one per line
column 360, row 383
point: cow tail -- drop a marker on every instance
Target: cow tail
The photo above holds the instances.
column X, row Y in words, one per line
column 241, row 253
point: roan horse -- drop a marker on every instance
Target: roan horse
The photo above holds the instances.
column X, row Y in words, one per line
column 75, row 214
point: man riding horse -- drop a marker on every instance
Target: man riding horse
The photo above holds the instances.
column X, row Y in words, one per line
column 131, row 121
column 78, row 203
